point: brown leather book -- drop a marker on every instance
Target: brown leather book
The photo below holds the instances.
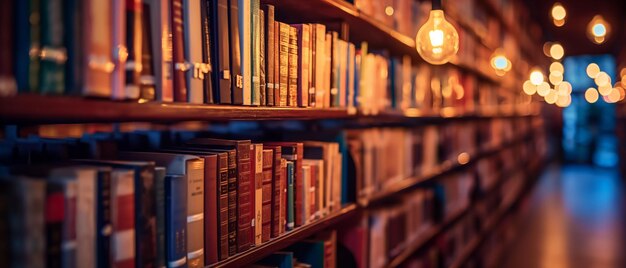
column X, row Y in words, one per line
column 262, row 75
column 266, row 213
column 283, row 56
column 134, row 39
column 292, row 75
column 211, row 209
column 276, row 63
column 244, row 202
column 303, row 31
column 178, row 52
column 276, row 206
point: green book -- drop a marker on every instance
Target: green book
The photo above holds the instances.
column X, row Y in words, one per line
column 53, row 54
column 290, row 195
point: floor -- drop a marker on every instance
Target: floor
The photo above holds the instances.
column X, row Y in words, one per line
column 576, row 218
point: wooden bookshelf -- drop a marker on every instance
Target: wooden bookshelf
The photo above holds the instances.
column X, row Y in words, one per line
column 276, row 244
column 444, row 169
column 36, row 109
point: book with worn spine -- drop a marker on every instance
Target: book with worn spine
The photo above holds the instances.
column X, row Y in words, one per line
column 266, row 213
column 283, row 56
column 293, row 70
column 303, row 31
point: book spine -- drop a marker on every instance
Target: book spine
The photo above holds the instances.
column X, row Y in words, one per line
column 334, row 69
column 221, row 51
column 54, row 215
column 244, row 201
column 283, row 53
column 343, row 72
column 30, row 223
column 69, row 225
column 276, row 204
column 290, row 195
column 134, row 45
column 145, row 203
column 269, row 53
column 312, row 174
column 147, row 79
column 276, row 63
column 320, row 66
column 283, row 195
column 178, row 51
column 161, row 39
column 123, row 211
column 98, row 42
column 53, row 53
column 262, row 75
column 34, row 66
column 255, row 48
column 176, row 224
column 223, row 200
column 292, row 81
column 235, row 52
column 258, row 193
column 195, row 213
column 72, row 39
column 245, row 45
column 159, row 179
column 266, row 229
column 211, row 209
column 232, row 203
column 103, row 215
column 328, row 69
column 85, row 227
column 303, row 56
column 311, row 67
column 119, row 52
column 206, row 69
column 194, row 75
column 306, row 189
column 351, row 76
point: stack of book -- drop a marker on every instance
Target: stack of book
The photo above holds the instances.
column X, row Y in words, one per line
column 190, row 203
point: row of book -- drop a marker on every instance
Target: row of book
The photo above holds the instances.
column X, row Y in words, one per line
column 223, row 52
column 185, row 206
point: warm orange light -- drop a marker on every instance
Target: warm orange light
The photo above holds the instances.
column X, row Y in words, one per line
column 556, row 51
column 591, row 95
column 529, row 88
column 543, row 89
column 598, row 29
column 558, row 12
column 557, row 67
column 592, row 70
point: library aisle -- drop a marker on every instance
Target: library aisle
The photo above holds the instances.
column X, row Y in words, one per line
column 576, row 219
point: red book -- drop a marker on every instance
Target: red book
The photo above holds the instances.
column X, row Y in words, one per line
column 211, row 209
column 276, row 206
column 266, row 213
column 123, row 217
column 294, row 151
column 178, row 51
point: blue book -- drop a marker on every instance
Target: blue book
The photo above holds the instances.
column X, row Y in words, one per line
column 176, row 220
column 290, row 196
column 279, row 259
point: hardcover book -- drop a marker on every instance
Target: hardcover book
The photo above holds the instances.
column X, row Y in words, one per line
column 237, row 81
column 266, row 217
column 256, row 180
column 269, row 53
column 245, row 45
column 53, row 52
column 292, row 80
column 178, row 51
column 290, row 174
column 262, row 76
column 294, row 151
column 320, row 66
column 283, row 56
column 161, row 43
column 276, row 193
column 134, row 46
column 147, row 80
column 303, row 31
column 207, row 62
column 98, row 47
column 176, row 223
column 220, row 62
column 120, row 52
column 122, row 215
column 198, row 68
column 255, row 51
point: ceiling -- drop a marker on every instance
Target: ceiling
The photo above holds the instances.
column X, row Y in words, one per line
column 573, row 35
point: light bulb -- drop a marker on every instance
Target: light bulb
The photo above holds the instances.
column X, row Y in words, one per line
column 437, row 40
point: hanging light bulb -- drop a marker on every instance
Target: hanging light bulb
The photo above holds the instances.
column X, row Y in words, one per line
column 437, row 41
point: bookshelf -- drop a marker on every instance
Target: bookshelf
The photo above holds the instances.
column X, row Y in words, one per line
column 28, row 110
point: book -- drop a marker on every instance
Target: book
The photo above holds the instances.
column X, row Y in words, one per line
column 134, row 42
column 255, row 51
column 122, row 217
column 318, row 202
column 212, row 208
column 320, row 65
column 352, row 82
column 159, row 181
column 307, row 191
column 328, row 70
column 97, row 49
column 262, row 76
column 276, row 63
column 266, row 217
column 147, row 79
column 219, row 12
column 236, row 68
column 290, row 173
column 161, row 43
column 294, row 151
column 283, row 70
column 29, row 196
column 103, row 216
column 277, row 226
column 54, row 214
column 68, row 234
column 198, row 68
column 244, row 203
column 176, row 223
column 74, row 42
column 178, row 51
column 53, row 55
column 334, row 66
column 245, row 46
column 269, row 41
column 193, row 168
column 256, row 180
column 120, row 53
column 304, row 64
column 207, row 62
column 292, row 76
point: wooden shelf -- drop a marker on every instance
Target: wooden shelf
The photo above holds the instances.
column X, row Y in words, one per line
column 257, row 253
column 36, row 109
column 442, row 170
